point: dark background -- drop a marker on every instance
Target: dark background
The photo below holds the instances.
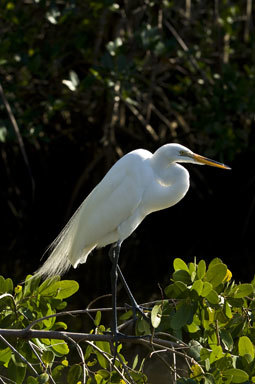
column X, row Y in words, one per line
column 137, row 74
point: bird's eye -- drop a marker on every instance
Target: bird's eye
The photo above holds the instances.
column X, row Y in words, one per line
column 182, row 153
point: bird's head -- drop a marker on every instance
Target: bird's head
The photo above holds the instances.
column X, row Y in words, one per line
column 180, row 154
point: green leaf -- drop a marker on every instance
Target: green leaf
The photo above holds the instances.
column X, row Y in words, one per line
column 47, row 284
column 216, row 353
column 243, row 290
column 216, row 274
column 59, row 347
column 213, row 297
column 66, row 288
column 126, row 315
column 236, row 375
column 59, row 325
column 207, row 287
column 104, row 374
column 227, row 310
column 245, row 347
column 182, row 276
column 31, row 380
column 184, row 315
column 2, row 284
column 195, row 349
column 143, row 327
column 215, row 261
column 43, row 378
column 5, row 355
column 226, row 339
column 201, row 269
column 156, row 315
column 198, row 286
column 57, row 373
column 135, row 362
column 74, row 374
column 8, row 285
column 179, row 264
column 61, row 289
column 48, row 357
column 31, row 285
column 16, row 372
column 97, row 318
column 204, row 354
column 176, row 290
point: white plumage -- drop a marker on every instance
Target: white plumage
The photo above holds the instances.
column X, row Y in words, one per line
column 137, row 184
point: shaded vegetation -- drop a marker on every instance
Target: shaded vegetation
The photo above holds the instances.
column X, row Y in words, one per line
column 202, row 331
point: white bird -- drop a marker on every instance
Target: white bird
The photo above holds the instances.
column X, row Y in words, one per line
column 138, row 184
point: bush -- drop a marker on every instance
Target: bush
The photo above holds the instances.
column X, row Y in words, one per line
column 206, row 320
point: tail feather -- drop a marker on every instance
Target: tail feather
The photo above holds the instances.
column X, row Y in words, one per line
column 62, row 256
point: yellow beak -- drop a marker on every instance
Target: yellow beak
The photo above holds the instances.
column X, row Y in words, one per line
column 212, row 163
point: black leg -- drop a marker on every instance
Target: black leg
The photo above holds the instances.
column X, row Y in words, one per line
column 135, row 307
column 114, row 256
column 115, row 274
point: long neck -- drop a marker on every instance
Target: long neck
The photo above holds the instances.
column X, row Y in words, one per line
column 171, row 183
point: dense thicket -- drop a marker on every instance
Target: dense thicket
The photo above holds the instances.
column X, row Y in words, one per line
column 87, row 81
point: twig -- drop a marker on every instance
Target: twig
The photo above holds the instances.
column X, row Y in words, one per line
column 186, row 49
column 248, row 20
column 105, row 354
column 80, row 352
column 97, row 299
column 19, row 137
column 125, row 368
column 142, row 120
column 19, row 354
column 33, row 347
column 72, row 313
column 31, row 344
column 6, row 378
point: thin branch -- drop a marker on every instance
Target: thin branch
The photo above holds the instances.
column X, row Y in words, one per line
column 186, row 49
column 33, row 347
column 19, row 137
column 80, row 352
column 18, row 353
column 72, row 313
column 142, row 120
column 248, row 20
column 109, row 359
column 6, row 378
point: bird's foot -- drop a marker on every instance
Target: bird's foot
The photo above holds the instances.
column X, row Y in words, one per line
column 137, row 309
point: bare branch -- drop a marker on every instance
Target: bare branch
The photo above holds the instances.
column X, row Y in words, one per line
column 72, row 313
column 186, row 49
column 18, row 353
column 80, row 352
column 19, row 137
column 109, row 359
column 142, row 120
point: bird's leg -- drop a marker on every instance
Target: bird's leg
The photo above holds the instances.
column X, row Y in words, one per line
column 114, row 256
column 115, row 273
column 135, row 307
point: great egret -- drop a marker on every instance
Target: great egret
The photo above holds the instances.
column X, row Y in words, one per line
column 137, row 184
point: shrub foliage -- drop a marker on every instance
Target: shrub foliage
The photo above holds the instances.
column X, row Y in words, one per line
column 205, row 318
